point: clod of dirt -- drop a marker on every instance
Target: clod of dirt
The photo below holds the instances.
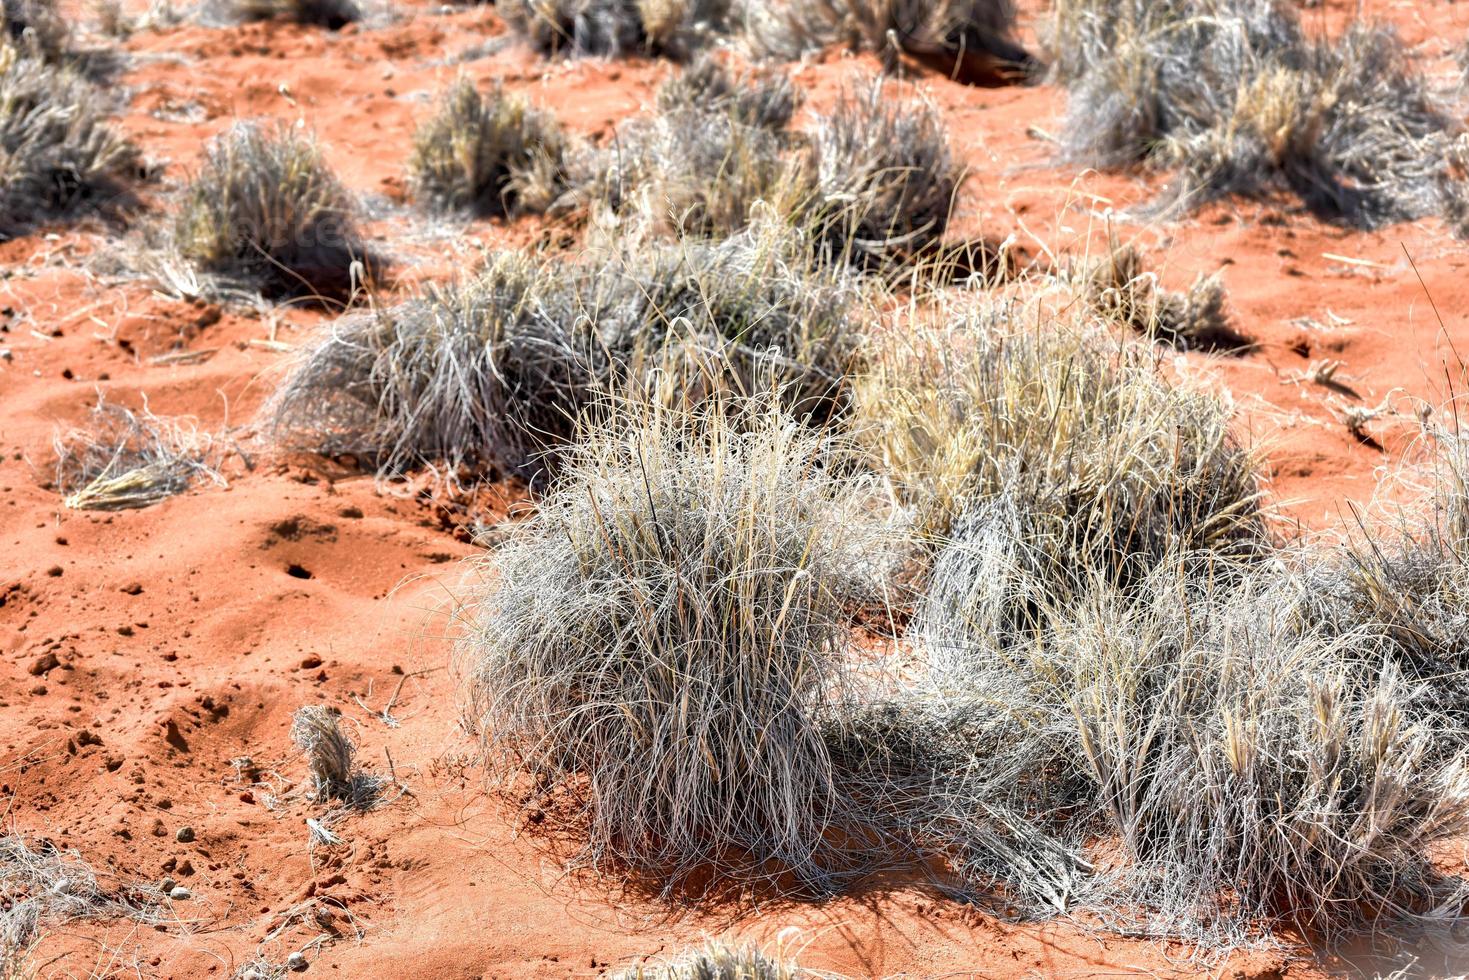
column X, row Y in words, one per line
column 44, row 664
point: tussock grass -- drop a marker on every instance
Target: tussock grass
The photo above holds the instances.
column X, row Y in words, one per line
column 491, row 154
column 950, row 30
column 657, row 641
column 331, row 14
column 37, row 28
column 44, row 887
column 498, row 371
column 762, row 97
column 57, row 150
column 885, row 177
column 317, row 732
column 1234, row 98
column 1406, row 579
column 718, row 961
column 265, row 212
column 1253, row 771
column 1011, row 398
column 123, row 459
column 1122, row 290
column 671, row 28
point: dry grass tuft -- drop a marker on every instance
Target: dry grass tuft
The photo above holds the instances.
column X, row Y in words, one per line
column 1006, row 399
column 37, row 28
column 657, row 642
column 498, row 371
column 1121, row 290
column 671, row 28
column 317, row 731
column 718, row 962
column 972, row 39
column 1252, row 770
column 761, row 97
column 1235, row 98
column 265, row 212
column 123, row 459
column 494, row 154
column 57, row 151
column 42, row 886
column 331, row 14
column 885, row 178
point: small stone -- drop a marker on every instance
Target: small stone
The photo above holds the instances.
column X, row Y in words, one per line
column 167, row 885
column 180, row 894
column 297, row 962
column 185, row 835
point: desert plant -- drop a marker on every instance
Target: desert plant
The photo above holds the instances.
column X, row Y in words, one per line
column 657, row 643
column 491, row 154
column 122, row 459
column 1252, row 769
column 1120, row 289
column 1017, row 397
column 761, row 97
column 1405, row 578
column 497, row 372
column 57, row 150
column 672, row 28
column 1234, row 97
column 37, row 28
column 331, row 14
column 265, row 211
column 884, row 176
column 717, row 962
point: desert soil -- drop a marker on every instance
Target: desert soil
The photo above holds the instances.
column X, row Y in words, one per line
column 145, row 651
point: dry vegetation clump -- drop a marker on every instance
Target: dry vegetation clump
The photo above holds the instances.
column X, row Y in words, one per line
column 671, row 28
column 884, row 175
column 123, row 459
column 1252, row 769
column 1407, row 580
column 37, row 28
column 498, row 371
column 658, row 642
column 264, row 211
column 982, row 403
column 762, row 97
column 492, row 154
column 331, row 14
column 57, row 150
column 973, row 39
column 1121, row 290
column 1235, row 98
column 43, row 887
column 718, row 962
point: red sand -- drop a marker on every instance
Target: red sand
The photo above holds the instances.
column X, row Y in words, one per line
column 176, row 640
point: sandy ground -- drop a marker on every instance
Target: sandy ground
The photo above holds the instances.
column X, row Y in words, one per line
column 145, row 650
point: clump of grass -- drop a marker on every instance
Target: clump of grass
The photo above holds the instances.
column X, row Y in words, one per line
column 1406, row 580
column 884, row 176
column 331, row 14
column 761, row 97
column 42, row 886
column 317, row 732
column 265, row 211
column 718, row 962
column 492, row 154
column 660, row 638
column 498, row 371
column 37, row 28
column 1017, row 397
column 670, row 28
column 57, row 150
column 1252, row 771
column 1121, row 290
column 123, row 459
column 1233, row 97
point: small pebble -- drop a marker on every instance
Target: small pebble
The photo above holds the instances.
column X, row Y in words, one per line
column 180, row 894
column 166, row 885
column 296, row 961
column 185, row 835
